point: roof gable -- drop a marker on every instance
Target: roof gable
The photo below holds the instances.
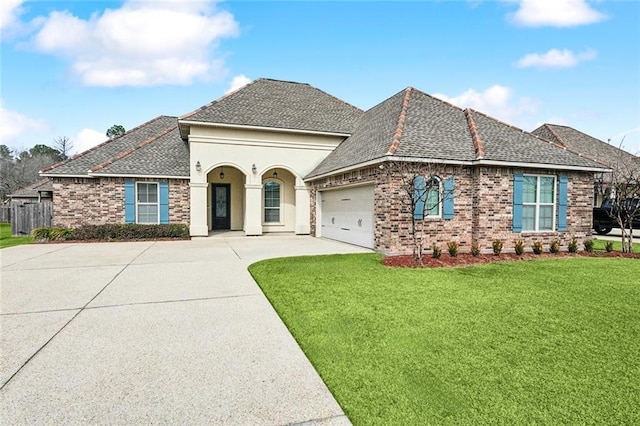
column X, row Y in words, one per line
column 278, row 104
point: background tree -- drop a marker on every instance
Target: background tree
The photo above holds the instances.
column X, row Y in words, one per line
column 22, row 168
column 63, row 145
column 115, row 131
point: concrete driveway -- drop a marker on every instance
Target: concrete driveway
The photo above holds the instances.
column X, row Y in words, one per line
column 153, row 332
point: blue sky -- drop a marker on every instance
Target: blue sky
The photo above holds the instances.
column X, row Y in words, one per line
column 75, row 68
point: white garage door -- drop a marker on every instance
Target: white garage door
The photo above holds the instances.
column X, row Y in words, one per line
column 347, row 215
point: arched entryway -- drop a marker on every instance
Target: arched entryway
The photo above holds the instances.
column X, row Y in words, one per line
column 278, row 200
column 225, row 199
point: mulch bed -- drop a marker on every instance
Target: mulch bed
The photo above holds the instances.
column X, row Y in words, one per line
column 466, row 259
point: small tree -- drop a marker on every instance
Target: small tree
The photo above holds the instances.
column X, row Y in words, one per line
column 625, row 195
column 417, row 182
column 115, row 131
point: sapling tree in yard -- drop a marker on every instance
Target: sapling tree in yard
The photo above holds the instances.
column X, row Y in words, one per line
column 424, row 189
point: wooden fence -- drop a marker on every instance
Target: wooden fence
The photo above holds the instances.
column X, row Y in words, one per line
column 26, row 217
column 5, row 214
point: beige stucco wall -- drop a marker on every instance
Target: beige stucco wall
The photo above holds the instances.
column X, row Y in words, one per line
column 292, row 154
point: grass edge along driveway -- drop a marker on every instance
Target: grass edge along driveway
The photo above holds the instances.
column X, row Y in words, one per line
column 545, row 341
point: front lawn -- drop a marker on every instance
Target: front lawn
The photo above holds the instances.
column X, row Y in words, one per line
column 7, row 240
column 545, row 341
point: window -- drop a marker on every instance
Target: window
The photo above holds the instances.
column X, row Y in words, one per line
column 433, row 198
column 538, row 203
column 147, row 206
column 271, row 202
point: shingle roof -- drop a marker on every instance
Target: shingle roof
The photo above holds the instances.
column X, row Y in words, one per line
column 278, row 104
column 584, row 144
column 121, row 149
column 33, row 190
column 412, row 124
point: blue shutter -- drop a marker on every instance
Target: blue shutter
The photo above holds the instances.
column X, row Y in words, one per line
column 447, row 201
column 419, row 197
column 562, row 203
column 164, row 202
column 129, row 201
column 518, row 190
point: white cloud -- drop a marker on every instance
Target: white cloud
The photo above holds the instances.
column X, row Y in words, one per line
column 9, row 11
column 238, row 82
column 140, row 44
column 555, row 58
column 87, row 139
column 15, row 126
column 496, row 101
column 555, row 13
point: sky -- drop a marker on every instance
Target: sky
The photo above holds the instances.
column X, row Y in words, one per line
column 75, row 68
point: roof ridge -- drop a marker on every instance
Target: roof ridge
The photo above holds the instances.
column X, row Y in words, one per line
column 555, row 134
column 402, row 118
column 478, row 144
column 100, row 145
column 569, row 149
column 498, row 120
column 130, row 151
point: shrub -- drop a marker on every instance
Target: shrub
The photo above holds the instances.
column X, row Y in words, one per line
column 436, row 252
column 52, row 234
column 554, row 247
column 588, row 245
column 608, row 246
column 497, row 247
column 452, row 248
column 519, row 247
column 573, row 245
column 537, row 247
column 475, row 249
column 124, row 232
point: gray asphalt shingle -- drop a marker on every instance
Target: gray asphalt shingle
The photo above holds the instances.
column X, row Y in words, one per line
column 280, row 104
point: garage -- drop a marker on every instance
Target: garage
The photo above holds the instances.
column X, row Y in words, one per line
column 347, row 215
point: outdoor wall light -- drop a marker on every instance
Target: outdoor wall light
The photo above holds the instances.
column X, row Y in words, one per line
column 198, row 166
column 221, row 173
column 275, row 175
column 254, row 169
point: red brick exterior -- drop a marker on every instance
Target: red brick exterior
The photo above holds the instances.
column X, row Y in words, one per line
column 96, row 201
column 483, row 198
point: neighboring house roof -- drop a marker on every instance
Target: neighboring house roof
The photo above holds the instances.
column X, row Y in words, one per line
column 151, row 149
column 584, row 144
column 33, row 190
column 414, row 125
column 280, row 105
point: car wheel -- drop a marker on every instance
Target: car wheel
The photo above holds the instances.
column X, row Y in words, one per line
column 602, row 230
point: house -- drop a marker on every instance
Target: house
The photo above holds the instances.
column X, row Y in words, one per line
column 592, row 148
column 277, row 156
column 38, row 192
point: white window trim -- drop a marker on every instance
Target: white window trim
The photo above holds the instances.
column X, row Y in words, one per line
column 280, row 209
column 157, row 204
column 538, row 204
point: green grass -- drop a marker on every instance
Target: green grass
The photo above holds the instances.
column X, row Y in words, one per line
column 598, row 245
column 538, row 342
column 7, row 240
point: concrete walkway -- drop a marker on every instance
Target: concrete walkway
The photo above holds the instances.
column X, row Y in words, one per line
column 153, row 332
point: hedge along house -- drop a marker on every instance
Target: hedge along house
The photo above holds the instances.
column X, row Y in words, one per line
column 497, row 181
column 277, row 156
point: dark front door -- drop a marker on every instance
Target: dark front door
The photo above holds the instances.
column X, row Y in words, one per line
column 221, row 198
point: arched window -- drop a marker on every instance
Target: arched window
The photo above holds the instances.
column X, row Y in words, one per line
column 427, row 193
column 271, row 202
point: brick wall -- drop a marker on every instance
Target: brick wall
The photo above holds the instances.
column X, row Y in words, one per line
column 483, row 208
column 97, row 201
